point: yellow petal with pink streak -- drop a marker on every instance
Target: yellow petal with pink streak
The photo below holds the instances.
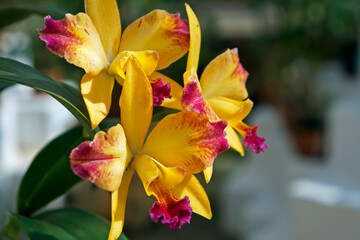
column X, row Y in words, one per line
column 102, row 161
column 176, row 91
column 118, row 202
column 195, row 39
column 147, row 59
column 185, row 140
column 199, row 201
column 159, row 31
column 225, row 77
column 76, row 39
column 136, row 104
column 192, row 99
column 96, row 91
column 106, row 18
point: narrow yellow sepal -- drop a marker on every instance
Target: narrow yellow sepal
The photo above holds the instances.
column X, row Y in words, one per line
column 195, row 39
column 118, row 202
column 136, row 105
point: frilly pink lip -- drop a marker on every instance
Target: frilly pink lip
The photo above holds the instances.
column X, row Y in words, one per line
column 174, row 214
column 256, row 142
column 160, row 91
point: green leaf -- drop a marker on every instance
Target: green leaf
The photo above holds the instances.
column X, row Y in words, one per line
column 38, row 230
column 4, row 85
column 81, row 224
column 49, row 175
column 12, row 71
column 108, row 123
column 158, row 116
column 66, row 224
column 11, row 14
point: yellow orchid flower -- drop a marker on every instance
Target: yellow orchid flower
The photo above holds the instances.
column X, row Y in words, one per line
column 179, row 146
column 93, row 42
column 220, row 93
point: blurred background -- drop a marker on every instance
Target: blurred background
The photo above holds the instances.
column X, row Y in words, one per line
column 303, row 60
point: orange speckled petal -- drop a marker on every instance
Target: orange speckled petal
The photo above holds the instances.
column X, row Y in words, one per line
column 225, row 77
column 185, row 140
column 102, row 161
column 159, row 31
column 75, row 38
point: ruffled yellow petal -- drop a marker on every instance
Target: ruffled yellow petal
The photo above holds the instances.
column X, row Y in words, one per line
column 159, row 180
column 172, row 176
column 195, row 39
column 176, row 91
column 198, row 199
column 233, row 140
column 106, row 18
column 147, row 59
column 149, row 169
column 234, row 112
column 146, row 170
column 118, row 202
column 225, row 77
column 185, row 140
column 230, row 110
column 76, row 39
column 102, row 161
column 136, row 105
column 159, row 31
column 96, row 91
column 208, row 173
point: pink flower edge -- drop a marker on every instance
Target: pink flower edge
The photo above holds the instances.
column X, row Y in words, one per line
column 174, row 214
column 254, row 141
column 160, row 91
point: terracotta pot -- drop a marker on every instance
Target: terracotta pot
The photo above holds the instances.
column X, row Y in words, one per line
column 309, row 140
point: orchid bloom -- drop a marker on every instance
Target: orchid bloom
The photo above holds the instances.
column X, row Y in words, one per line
column 92, row 41
column 179, row 146
column 220, row 93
